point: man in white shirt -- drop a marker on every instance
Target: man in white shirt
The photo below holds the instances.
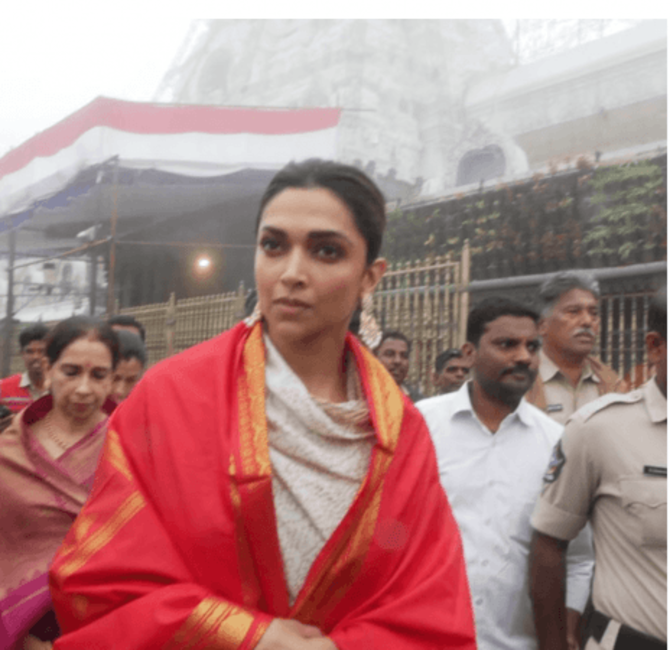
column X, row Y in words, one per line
column 492, row 449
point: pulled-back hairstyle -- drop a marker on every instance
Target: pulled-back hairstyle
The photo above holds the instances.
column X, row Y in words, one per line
column 352, row 186
column 79, row 327
column 491, row 309
column 657, row 318
column 562, row 282
column 36, row 332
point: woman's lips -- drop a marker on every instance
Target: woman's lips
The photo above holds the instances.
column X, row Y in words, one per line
column 290, row 306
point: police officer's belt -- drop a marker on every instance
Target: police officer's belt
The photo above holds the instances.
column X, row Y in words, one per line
column 627, row 639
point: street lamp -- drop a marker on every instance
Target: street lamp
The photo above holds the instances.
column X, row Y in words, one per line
column 204, row 263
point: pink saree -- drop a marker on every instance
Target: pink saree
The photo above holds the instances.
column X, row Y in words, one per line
column 39, row 499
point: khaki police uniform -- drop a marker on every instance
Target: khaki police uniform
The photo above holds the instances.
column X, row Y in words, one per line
column 610, row 468
column 553, row 393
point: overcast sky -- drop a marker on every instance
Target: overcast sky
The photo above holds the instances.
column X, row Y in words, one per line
column 56, row 57
column 52, row 64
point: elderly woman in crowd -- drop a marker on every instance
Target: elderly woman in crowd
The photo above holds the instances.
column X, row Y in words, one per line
column 48, row 458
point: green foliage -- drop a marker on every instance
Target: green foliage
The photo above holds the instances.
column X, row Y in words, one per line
column 628, row 199
column 607, row 216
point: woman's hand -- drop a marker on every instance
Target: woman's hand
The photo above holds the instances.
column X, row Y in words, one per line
column 287, row 634
column 33, row 643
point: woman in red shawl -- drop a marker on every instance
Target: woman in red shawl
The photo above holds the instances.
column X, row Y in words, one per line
column 48, row 457
column 272, row 488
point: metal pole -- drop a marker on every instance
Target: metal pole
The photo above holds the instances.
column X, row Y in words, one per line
column 93, row 255
column 93, row 293
column 465, row 295
column 9, row 318
column 112, row 242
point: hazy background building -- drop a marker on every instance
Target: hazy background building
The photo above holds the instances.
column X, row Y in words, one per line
column 400, row 83
column 431, row 105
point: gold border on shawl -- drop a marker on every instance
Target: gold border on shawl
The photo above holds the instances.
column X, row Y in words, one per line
column 253, row 439
column 82, row 524
column 116, row 456
column 354, row 550
column 101, row 537
column 246, row 568
column 213, row 619
column 386, row 399
column 388, row 405
column 260, row 630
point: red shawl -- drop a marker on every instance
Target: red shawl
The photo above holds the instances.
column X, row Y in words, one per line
column 177, row 546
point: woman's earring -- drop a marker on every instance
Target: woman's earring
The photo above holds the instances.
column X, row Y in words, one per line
column 255, row 316
column 369, row 331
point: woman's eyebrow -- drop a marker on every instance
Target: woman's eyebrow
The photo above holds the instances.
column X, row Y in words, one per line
column 273, row 231
column 327, row 234
column 313, row 234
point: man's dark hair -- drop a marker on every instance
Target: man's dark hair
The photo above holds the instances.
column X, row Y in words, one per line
column 36, row 332
column 352, row 186
column 128, row 321
column 443, row 358
column 657, row 318
column 131, row 346
column 396, row 336
column 78, row 327
column 491, row 309
column 562, row 282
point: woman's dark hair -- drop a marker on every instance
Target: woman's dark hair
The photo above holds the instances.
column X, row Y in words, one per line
column 78, row 327
column 352, row 186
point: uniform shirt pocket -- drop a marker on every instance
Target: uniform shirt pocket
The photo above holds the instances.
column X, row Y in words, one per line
column 646, row 499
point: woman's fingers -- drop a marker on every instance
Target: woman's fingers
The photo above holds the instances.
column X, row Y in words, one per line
column 286, row 634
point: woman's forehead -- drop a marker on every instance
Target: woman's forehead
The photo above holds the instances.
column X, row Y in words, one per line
column 308, row 209
column 86, row 351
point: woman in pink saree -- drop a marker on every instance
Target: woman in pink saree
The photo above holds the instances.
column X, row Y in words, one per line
column 48, row 458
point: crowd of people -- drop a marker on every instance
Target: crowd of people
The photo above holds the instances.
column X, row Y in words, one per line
column 281, row 486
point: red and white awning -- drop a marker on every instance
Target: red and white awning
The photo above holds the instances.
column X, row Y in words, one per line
column 198, row 141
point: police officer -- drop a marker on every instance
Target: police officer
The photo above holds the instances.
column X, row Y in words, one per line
column 610, row 468
column 569, row 377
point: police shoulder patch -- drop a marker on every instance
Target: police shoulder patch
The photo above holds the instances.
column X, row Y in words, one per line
column 604, row 401
column 555, row 464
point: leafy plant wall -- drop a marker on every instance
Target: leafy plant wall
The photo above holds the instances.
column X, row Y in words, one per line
column 583, row 218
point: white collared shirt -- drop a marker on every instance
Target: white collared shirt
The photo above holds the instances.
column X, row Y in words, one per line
column 34, row 392
column 492, row 482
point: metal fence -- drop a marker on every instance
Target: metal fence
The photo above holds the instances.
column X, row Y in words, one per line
column 175, row 325
column 428, row 300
